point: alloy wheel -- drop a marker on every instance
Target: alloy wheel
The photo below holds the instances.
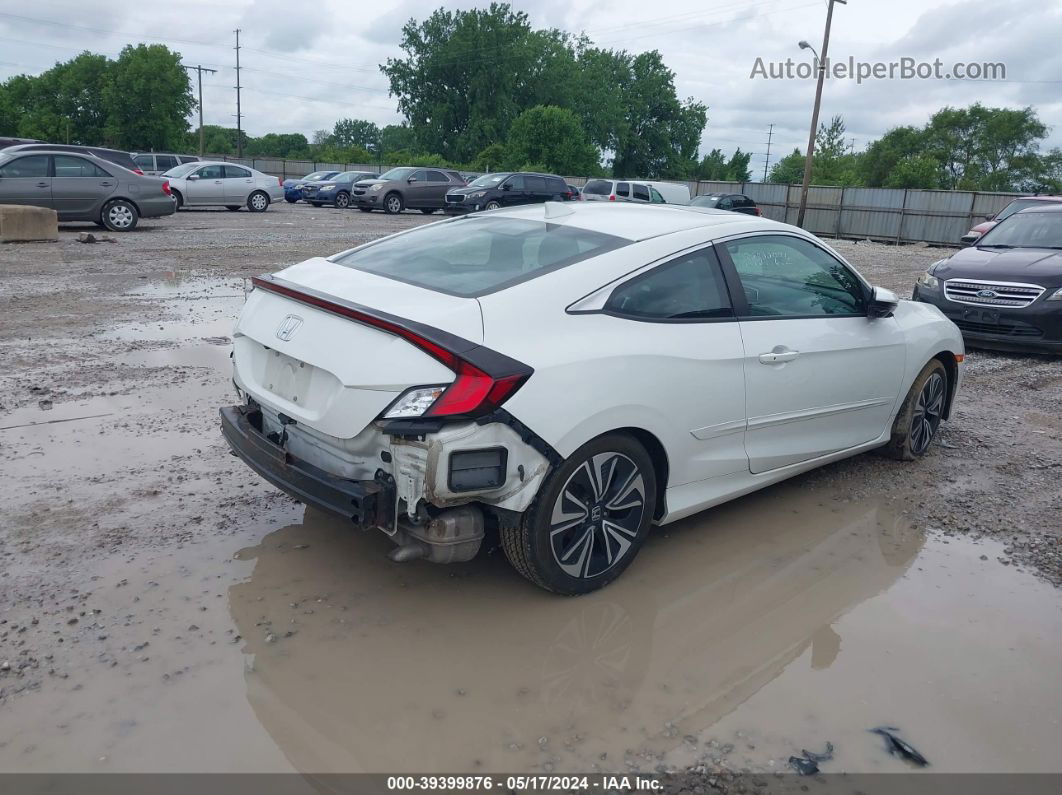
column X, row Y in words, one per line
column 394, row 204
column 342, row 200
column 596, row 517
column 258, row 201
column 492, row 205
column 925, row 419
column 120, row 216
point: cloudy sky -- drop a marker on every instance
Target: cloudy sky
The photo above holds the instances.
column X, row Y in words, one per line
column 308, row 63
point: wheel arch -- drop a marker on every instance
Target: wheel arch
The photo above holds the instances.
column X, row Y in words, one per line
column 661, row 467
column 951, row 367
column 110, row 199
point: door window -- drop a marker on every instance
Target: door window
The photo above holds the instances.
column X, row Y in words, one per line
column 31, row 166
column 641, row 193
column 657, row 198
column 68, row 166
column 785, row 276
column 165, row 162
column 437, row 176
column 688, row 288
column 726, row 203
column 516, row 182
column 419, row 176
column 536, row 184
column 210, row 172
column 146, row 162
column 235, row 172
column 623, row 189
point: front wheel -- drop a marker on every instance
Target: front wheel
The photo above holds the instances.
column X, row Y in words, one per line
column 342, row 200
column 491, row 205
column 120, row 215
column 257, row 202
column 588, row 520
column 393, row 204
column 290, row 200
column 920, row 415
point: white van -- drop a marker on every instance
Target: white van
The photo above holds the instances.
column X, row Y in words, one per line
column 636, row 190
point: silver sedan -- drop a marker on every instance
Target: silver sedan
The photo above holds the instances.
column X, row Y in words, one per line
column 228, row 185
column 82, row 187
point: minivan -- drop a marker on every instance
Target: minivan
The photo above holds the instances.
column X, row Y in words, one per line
column 159, row 163
column 636, row 190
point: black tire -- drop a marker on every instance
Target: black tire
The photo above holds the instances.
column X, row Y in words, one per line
column 920, row 415
column 316, row 204
column 100, row 224
column 290, row 200
column 119, row 215
column 393, row 203
column 365, row 209
column 491, row 205
column 232, row 208
column 180, row 199
column 427, row 210
column 342, row 200
column 586, row 553
column 258, row 202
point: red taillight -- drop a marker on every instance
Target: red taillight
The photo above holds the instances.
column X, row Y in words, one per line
column 485, row 378
column 757, row 209
column 166, row 188
column 612, row 198
column 280, row 182
column 138, row 171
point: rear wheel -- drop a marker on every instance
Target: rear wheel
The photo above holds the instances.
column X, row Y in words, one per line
column 920, row 415
column 180, row 199
column 258, row 202
column 119, row 215
column 342, row 200
column 588, row 520
column 393, row 204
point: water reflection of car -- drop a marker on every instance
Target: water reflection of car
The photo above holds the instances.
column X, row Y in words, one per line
column 1016, row 205
column 439, row 661
column 335, row 190
column 293, row 187
column 1005, row 291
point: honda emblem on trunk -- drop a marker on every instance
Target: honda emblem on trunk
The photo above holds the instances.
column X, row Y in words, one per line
column 288, row 327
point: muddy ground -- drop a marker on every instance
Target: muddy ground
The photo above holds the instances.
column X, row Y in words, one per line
column 162, row 609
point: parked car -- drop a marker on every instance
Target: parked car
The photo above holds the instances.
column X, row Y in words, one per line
column 991, row 220
column 506, row 189
column 159, row 163
column 334, row 190
column 82, row 187
column 569, row 375
column 227, row 185
column 123, row 159
column 735, row 202
column 1005, row 291
column 576, row 192
column 404, row 187
column 6, row 142
column 293, row 187
column 644, row 191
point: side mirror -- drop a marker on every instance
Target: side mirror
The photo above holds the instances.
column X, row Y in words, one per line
column 969, row 240
column 989, row 217
column 193, row 176
column 882, row 302
column 411, row 180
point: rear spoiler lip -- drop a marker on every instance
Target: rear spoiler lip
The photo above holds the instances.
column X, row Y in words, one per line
column 497, row 365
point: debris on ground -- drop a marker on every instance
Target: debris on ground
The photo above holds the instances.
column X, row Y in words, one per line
column 899, row 748
column 807, row 764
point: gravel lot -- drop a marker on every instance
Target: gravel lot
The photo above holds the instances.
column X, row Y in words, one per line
column 138, row 556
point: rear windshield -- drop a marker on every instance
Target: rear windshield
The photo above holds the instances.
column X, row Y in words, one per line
column 598, row 187
column 474, row 255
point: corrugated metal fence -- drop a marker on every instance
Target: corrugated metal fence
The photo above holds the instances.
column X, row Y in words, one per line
column 895, row 215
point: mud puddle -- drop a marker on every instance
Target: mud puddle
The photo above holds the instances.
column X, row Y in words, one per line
column 782, row 621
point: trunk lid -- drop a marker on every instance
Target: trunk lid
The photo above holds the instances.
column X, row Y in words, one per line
column 330, row 372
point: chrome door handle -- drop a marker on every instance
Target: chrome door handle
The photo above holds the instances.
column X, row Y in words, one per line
column 106, row 184
column 778, row 356
column 42, row 184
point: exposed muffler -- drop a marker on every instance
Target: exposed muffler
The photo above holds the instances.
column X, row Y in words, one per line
column 452, row 536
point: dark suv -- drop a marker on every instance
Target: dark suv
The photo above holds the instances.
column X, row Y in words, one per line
column 507, row 189
column 123, row 159
column 393, row 191
column 735, row 202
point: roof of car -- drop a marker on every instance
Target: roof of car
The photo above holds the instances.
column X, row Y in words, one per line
column 42, row 145
column 637, row 221
column 1040, row 198
column 1046, row 207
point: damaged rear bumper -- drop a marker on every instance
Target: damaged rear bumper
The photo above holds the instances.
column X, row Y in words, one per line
column 368, row 503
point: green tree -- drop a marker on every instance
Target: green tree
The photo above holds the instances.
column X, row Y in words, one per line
column 789, row 170
column 394, row 137
column 289, row 145
column 148, row 99
column 350, row 133
column 881, row 159
column 553, row 139
column 713, row 166
column 737, row 168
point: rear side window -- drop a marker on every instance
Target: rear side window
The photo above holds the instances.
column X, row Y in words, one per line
column 29, row 166
column 623, row 189
column 556, row 185
column 235, row 172
column 536, row 184
column 476, row 255
column 68, row 166
column 688, row 288
column 641, row 193
column 145, row 161
column 598, row 187
column 657, row 198
column 188, row 159
column 437, row 176
column 165, row 162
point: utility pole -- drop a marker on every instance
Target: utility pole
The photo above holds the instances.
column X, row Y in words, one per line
column 200, row 70
column 815, row 112
column 239, row 116
column 770, row 132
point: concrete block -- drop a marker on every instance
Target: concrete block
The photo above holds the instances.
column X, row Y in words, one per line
column 21, row 223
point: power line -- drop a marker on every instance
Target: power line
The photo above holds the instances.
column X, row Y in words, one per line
column 770, row 133
column 199, row 70
column 239, row 116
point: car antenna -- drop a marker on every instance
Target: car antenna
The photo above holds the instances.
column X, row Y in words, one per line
column 557, row 210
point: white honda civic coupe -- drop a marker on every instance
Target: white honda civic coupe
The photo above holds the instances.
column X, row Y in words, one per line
column 569, row 375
